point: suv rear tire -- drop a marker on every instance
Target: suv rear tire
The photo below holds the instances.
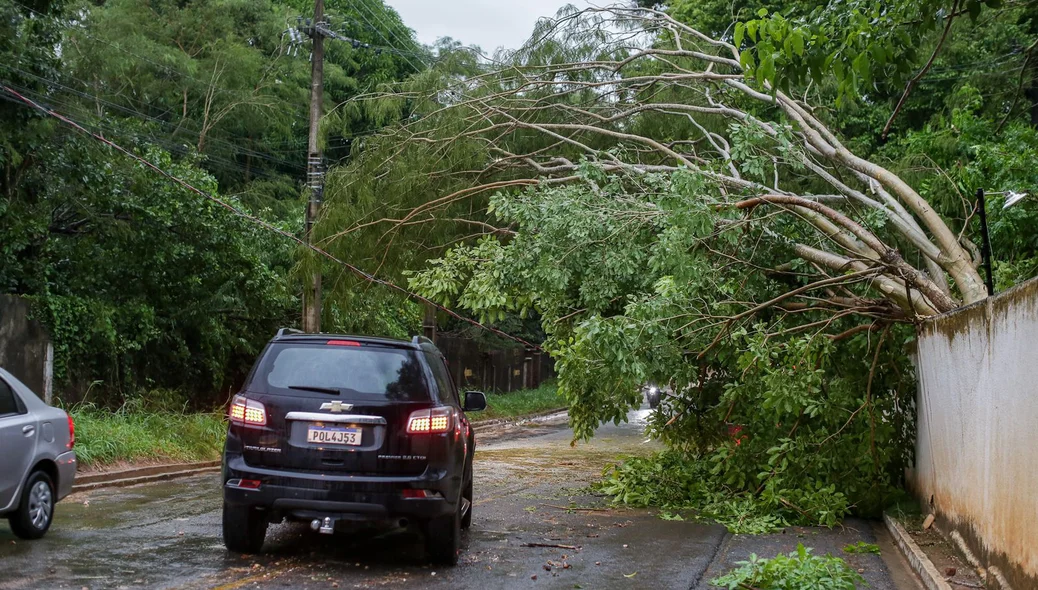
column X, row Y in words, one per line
column 466, row 519
column 244, row 528
column 35, row 508
column 443, row 538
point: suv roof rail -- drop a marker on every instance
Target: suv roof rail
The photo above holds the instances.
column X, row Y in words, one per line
column 287, row 331
column 419, row 340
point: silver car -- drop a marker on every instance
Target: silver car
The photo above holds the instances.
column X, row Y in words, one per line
column 37, row 463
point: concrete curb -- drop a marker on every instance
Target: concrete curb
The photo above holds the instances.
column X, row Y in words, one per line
column 921, row 564
column 485, row 425
column 129, row 477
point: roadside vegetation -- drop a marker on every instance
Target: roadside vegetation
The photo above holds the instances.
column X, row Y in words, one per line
column 135, row 434
column 797, row 571
column 690, row 488
column 526, row 402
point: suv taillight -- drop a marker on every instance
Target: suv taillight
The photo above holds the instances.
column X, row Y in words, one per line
column 247, row 412
column 71, row 432
column 432, row 421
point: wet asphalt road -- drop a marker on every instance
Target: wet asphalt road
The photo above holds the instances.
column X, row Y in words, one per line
column 167, row 535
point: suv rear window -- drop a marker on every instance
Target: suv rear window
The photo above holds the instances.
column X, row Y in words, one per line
column 365, row 372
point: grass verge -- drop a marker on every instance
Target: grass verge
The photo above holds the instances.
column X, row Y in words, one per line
column 520, row 403
column 104, row 437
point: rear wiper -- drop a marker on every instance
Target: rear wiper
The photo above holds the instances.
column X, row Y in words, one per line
column 327, row 390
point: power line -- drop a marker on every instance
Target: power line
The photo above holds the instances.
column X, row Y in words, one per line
column 143, row 116
column 259, row 222
column 994, row 61
column 82, row 30
column 947, row 78
column 357, row 44
column 167, row 143
column 360, row 4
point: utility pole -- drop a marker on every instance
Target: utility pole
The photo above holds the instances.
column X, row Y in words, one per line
column 317, row 29
column 314, row 168
column 429, row 322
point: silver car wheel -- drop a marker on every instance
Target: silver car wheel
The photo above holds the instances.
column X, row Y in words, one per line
column 41, row 505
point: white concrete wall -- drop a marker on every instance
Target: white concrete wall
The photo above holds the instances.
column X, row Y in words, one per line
column 977, row 445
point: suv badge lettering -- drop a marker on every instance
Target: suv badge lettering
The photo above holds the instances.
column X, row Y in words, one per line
column 336, row 406
column 263, row 449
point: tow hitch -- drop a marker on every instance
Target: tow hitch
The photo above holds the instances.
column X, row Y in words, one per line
column 325, row 527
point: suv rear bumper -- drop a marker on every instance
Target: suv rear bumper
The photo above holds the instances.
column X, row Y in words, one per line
column 305, row 496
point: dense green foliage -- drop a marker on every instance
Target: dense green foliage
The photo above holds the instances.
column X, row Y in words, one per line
column 141, row 283
column 853, row 42
column 679, row 483
column 969, row 151
column 800, row 569
column 367, row 214
column 638, row 281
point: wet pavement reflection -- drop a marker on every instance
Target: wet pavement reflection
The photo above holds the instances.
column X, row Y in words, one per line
column 534, row 524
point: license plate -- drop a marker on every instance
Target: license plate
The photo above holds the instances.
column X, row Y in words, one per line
column 333, row 436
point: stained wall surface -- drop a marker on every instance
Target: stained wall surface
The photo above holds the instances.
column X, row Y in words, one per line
column 977, row 445
column 25, row 347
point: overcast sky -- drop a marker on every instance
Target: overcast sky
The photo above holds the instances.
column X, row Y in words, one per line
column 487, row 23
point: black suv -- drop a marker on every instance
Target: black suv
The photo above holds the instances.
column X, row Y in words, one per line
column 346, row 430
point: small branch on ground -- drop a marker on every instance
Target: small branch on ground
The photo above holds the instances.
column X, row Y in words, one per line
column 552, row 545
column 575, row 509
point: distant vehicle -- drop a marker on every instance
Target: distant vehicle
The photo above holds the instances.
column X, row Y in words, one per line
column 37, row 463
column 653, row 393
column 339, row 431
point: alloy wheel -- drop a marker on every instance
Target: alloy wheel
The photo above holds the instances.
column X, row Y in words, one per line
column 41, row 504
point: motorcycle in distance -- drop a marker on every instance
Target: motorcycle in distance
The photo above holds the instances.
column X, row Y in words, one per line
column 652, row 394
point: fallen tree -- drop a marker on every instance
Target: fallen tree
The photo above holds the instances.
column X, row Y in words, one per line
column 633, row 91
column 674, row 217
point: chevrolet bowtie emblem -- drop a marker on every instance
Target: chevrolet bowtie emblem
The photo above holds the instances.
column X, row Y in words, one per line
column 336, row 406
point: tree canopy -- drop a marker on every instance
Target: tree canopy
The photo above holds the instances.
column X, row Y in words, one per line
column 141, row 283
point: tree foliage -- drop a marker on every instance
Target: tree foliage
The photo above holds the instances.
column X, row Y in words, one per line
column 855, row 42
column 141, row 283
